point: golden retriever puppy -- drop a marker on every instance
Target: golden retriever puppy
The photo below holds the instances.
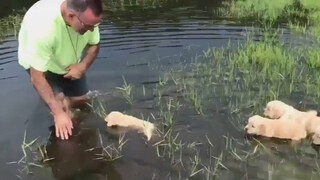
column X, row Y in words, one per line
column 116, row 118
column 284, row 129
column 279, row 110
column 276, row 109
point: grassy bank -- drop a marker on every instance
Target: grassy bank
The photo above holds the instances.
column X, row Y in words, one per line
column 302, row 15
column 10, row 25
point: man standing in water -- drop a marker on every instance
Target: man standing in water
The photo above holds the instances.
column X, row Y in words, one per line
column 58, row 41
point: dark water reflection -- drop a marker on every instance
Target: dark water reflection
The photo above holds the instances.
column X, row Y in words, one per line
column 137, row 44
column 7, row 6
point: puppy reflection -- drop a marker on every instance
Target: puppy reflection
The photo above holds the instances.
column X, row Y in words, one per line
column 258, row 125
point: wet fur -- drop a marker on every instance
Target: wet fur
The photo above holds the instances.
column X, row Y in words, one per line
column 283, row 129
column 116, row 118
column 309, row 120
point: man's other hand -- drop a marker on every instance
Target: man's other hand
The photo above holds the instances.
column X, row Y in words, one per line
column 63, row 125
column 75, row 71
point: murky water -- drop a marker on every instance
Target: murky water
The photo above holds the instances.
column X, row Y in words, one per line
column 139, row 46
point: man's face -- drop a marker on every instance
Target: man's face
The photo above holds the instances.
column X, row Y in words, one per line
column 82, row 22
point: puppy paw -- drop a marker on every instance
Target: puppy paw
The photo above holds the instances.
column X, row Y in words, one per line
column 148, row 130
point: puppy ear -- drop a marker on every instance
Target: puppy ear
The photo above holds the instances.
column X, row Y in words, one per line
column 109, row 121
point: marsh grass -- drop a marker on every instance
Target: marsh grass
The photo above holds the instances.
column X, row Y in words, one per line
column 263, row 11
column 10, row 25
column 268, row 12
column 313, row 57
column 126, row 91
column 98, row 107
column 300, row 15
column 34, row 155
column 112, row 151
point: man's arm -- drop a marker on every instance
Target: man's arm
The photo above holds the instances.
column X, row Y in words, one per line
column 91, row 54
column 62, row 121
column 44, row 90
column 77, row 70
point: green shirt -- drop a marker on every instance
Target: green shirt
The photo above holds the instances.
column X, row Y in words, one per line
column 44, row 41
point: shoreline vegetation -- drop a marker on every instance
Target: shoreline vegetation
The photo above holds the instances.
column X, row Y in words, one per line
column 10, row 25
column 300, row 15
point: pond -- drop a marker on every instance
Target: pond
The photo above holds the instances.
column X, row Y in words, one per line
column 179, row 64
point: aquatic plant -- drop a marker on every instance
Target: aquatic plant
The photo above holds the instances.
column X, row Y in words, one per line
column 126, row 91
column 112, row 151
column 303, row 12
column 10, row 25
column 313, row 57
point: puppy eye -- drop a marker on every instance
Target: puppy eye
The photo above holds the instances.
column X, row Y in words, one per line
column 252, row 126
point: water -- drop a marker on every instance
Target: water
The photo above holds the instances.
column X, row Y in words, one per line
column 139, row 46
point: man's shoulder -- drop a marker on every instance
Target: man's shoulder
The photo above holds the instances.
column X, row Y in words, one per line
column 43, row 13
column 42, row 17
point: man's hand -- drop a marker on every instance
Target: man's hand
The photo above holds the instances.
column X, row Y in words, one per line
column 63, row 125
column 75, row 71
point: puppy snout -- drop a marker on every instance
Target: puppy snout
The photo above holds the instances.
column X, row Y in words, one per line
column 246, row 128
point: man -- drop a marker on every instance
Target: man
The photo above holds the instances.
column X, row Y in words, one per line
column 58, row 41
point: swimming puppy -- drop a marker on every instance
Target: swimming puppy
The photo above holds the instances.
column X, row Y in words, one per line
column 258, row 125
column 276, row 109
column 116, row 118
column 279, row 110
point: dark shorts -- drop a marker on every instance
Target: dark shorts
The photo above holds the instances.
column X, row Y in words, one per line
column 69, row 87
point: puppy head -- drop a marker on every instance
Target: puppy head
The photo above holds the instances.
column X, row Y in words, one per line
column 113, row 117
column 276, row 109
column 256, row 125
